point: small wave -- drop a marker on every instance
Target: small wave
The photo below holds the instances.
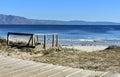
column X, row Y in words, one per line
column 89, row 40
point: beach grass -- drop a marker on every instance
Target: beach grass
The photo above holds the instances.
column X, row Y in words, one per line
column 106, row 60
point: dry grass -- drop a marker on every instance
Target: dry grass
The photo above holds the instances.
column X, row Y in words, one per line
column 106, row 60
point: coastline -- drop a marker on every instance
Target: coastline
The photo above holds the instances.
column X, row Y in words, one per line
column 83, row 45
column 86, row 48
column 89, row 42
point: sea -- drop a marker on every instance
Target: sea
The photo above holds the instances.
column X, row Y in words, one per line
column 72, row 34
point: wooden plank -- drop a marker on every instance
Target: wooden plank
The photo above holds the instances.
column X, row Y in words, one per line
column 85, row 73
column 37, row 38
column 44, row 46
column 65, row 73
column 29, row 41
column 47, row 73
column 25, row 34
column 45, row 34
column 56, row 40
column 23, row 68
column 8, row 39
column 53, row 37
column 30, row 73
column 33, row 40
column 29, row 34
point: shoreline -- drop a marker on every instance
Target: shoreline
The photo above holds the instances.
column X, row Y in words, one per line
column 79, row 41
column 90, row 42
column 86, row 48
column 71, row 43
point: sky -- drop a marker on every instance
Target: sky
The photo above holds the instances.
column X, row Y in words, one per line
column 88, row 10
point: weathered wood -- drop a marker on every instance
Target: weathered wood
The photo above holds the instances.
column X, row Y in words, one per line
column 22, row 68
column 53, row 40
column 7, row 39
column 29, row 41
column 56, row 40
column 43, row 34
column 28, row 34
column 34, row 38
column 44, row 46
column 37, row 38
column 24, row 34
column 33, row 42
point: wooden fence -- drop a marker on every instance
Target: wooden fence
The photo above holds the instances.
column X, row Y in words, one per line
column 33, row 36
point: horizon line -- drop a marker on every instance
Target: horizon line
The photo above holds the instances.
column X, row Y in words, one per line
column 62, row 19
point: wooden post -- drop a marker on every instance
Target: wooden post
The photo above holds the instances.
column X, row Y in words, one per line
column 29, row 41
column 33, row 42
column 45, row 41
column 56, row 40
column 53, row 40
column 8, row 39
column 37, row 38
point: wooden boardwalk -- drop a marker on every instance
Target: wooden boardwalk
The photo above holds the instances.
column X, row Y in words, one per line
column 12, row 67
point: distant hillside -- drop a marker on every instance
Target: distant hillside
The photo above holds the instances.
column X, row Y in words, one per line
column 10, row 19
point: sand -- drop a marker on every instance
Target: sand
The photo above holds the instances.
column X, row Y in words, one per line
column 87, row 48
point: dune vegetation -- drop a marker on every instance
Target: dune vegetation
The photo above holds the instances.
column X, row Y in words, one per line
column 105, row 60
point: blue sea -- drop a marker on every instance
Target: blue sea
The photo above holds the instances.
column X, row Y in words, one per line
column 71, row 34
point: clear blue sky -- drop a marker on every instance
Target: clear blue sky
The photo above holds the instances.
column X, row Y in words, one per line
column 89, row 10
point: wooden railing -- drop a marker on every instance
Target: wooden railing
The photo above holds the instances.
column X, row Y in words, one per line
column 32, row 38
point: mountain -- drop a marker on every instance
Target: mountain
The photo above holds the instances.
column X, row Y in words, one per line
column 11, row 19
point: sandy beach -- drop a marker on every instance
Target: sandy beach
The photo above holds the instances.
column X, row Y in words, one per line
column 86, row 48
